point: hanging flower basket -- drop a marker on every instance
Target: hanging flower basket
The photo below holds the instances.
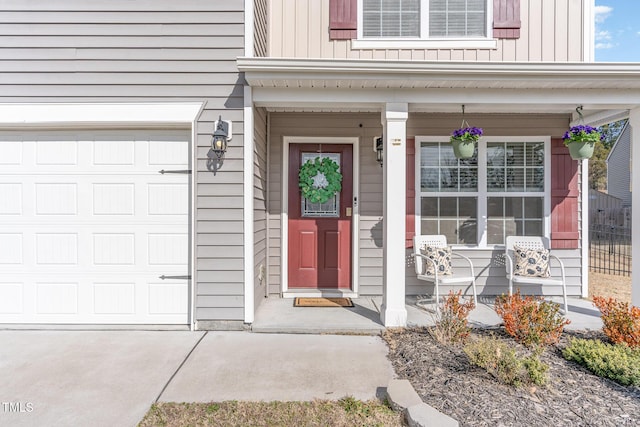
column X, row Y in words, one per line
column 464, row 141
column 319, row 179
column 581, row 141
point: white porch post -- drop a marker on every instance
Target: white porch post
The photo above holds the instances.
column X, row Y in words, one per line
column 634, row 121
column 394, row 124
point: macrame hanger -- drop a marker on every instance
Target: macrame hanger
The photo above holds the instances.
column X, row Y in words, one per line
column 580, row 117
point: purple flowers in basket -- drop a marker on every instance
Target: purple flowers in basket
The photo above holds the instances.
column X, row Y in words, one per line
column 471, row 134
column 582, row 133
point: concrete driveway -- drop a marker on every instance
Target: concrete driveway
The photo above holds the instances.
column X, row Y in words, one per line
column 111, row 378
column 86, row 378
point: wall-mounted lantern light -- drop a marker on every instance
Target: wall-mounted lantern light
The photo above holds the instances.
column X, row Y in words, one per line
column 220, row 138
column 378, row 147
column 219, row 143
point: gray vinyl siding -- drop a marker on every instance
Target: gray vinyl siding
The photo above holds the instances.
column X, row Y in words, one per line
column 618, row 168
column 260, row 204
column 260, row 28
column 148, row 51
column 488, row 264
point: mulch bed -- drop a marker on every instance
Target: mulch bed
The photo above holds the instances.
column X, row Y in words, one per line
column 444, row 379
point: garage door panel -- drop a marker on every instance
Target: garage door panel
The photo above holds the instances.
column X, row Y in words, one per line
column 88, row 225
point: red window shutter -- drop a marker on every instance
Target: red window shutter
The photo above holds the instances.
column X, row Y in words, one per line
column 506, row 19
column 564, row 197
column 411, row 193
column 343, row 19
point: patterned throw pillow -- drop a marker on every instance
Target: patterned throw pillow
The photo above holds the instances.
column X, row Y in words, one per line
column 531, row 262
column 442, row 258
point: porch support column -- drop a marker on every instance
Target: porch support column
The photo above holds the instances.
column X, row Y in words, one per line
column 394, row 125
column 634, row 121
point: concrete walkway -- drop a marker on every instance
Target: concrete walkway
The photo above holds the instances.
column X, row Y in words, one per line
column 86, row 378
column 111, row 378
column 286, row 367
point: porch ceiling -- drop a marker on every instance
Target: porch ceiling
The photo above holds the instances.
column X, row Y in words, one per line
column 322, row 85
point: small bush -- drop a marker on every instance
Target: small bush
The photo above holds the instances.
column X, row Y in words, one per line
column 531, row 321
column 616, row 362
column 621, row 322
column 451, row 321
column 502, row 362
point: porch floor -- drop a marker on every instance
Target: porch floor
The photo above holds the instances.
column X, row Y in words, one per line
column 278, row 315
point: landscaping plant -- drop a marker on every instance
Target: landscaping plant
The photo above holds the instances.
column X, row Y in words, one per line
column 502, row 362
column 530, row 320
column 621, row 321
column 617, row 362
column 451, row 323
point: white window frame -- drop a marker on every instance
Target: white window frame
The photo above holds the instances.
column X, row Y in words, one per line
column 482, row 194
column 424, row 41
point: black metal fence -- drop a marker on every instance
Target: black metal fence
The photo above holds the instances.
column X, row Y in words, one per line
column 610, row 249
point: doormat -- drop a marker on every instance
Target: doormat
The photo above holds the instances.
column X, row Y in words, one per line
column 323, row 302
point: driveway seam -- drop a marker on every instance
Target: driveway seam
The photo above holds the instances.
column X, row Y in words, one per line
column 180, row 366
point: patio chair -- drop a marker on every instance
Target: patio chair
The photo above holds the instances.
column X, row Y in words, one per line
column 535, row 243
column 423, row 261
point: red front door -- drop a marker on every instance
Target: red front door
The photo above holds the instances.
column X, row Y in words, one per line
column 320, row 234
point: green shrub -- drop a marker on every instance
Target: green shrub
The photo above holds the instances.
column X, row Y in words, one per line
column 616, row 362
column 502, row 362
column 531, row 321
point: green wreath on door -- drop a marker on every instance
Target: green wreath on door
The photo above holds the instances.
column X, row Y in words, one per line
column 319, row 179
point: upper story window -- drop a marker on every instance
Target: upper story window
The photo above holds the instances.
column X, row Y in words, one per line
column 424, row 19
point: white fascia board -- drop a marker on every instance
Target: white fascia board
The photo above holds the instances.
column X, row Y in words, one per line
column 362, row 68
column 103, row 113
column 565, row 98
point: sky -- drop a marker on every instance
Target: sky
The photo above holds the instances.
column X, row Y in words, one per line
column 617, row 35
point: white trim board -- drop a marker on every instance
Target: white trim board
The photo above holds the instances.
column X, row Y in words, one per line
column 102, row 114
column 284, row 221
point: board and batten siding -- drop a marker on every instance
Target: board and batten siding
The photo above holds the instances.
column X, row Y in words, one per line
column 488, row 263
column 551, row 31
column 148, row 51
column 619, row 168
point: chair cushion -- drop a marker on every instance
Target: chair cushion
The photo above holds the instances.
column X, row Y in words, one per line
column 442, row 258
column 531, row 262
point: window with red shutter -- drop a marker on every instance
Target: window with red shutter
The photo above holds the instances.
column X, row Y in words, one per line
column 403, row 20
column 411, row 192
column 343, row 19
column 564, row 197
column 506, row 19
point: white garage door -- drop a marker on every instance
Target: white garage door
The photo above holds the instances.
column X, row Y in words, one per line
column 88, row 224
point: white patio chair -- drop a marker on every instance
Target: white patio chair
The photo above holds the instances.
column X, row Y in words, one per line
column 440, row 241
column 533, row 242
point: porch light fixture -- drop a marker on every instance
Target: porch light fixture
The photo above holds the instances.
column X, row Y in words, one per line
column 378, row 146
column 220, row 138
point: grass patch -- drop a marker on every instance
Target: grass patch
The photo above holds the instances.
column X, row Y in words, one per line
column 344, row 412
